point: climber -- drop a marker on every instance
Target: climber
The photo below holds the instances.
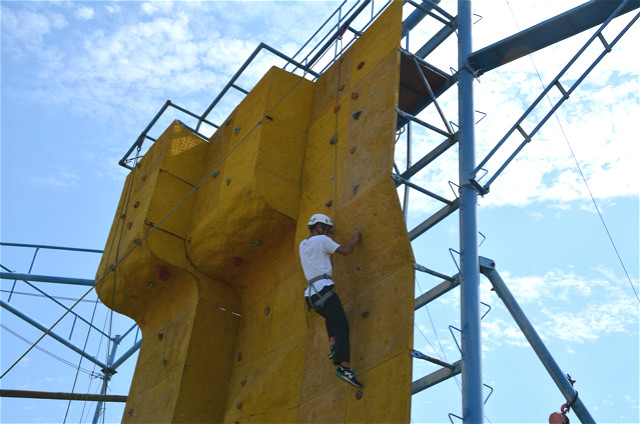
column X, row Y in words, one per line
column 315, row 257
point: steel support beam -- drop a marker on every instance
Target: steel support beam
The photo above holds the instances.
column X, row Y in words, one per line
column 487, row 267
column 434, row 378
column 48, row 331
column 47, row 279
column 29, row 394
column 434, row 219
column 431, row 295
column 472, row 399
column 546, row 33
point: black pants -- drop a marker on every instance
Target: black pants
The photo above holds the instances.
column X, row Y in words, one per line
column 337, row 325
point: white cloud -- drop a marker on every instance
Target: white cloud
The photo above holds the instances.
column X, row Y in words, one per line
column 58, row 179
column 112, row 8
column 85, row 13
column 148, row 8
column 564, row 306
column 25, row 27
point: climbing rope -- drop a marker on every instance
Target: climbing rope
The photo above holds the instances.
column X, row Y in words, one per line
column 336, row 110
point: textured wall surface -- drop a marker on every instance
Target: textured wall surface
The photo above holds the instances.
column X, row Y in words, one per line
column 217, row 287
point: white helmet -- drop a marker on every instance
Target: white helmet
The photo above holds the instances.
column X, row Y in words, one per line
column 320, row 218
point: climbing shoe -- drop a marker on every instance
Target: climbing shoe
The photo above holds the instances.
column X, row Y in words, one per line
column 348, row 375
column 332, row 352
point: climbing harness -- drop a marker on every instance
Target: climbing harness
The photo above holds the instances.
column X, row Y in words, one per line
column 318, row 303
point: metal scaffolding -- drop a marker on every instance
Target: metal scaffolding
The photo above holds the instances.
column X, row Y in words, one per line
column 421, row 84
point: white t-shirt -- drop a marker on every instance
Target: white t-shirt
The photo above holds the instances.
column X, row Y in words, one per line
column 315, row 257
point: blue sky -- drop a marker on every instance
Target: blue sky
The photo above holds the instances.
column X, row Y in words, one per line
column 81, row 80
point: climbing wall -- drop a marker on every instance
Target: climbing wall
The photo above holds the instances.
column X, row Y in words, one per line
column 203, row 252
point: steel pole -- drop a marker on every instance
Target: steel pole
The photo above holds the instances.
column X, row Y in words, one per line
column 47, row 279
column 108, row 372
column 569, row 393
column 472, row 403
column 50, row 333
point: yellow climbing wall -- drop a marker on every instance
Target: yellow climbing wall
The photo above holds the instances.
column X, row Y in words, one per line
column 203, row 252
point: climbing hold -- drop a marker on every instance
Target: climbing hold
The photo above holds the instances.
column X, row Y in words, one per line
column 341, row 87
column 359, row 394
column 256, row 242
column 239, row 356
column 329, row 203
column 149, row 284
column 354, row 95
column 360, row 65
column 239, row 405
column 352, row 150
column 237, row 261
column 130, row 412
column 129, row 225
column 136, row 241
column 228, row 121
column 135, row 205
column 162, row 273
column 357, row 115
column 143, row 177
column 215, row 174
column 235, row 130
column 164, row 362
column 333, row 140
column 354, row 188
column 243, row 382
column 267, row 310
column 365, row 313
column 123, row 216
column 228, row 181
column 336, row 108
column 133, row 296
column 160, row 336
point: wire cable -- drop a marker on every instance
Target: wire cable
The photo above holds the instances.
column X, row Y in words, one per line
column 584, row 179
column 53, row 355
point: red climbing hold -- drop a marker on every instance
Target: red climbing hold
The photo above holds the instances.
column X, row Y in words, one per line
column 341, row 87
column 354, row 95
column 336, row 108
column 360, row 65
column 359, row 394
column 237, row 261
column 162, row 273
